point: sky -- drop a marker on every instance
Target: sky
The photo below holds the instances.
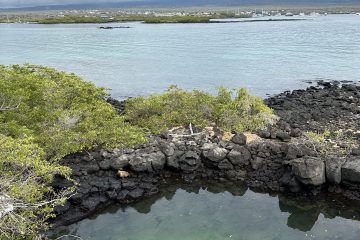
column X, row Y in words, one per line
column 31, row 3
column 26, row 3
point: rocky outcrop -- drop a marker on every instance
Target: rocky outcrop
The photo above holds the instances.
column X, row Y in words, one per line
column 276, row 159
column 328, row 106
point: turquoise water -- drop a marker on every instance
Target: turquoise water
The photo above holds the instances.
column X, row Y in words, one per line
column 266, row 57
column 217, row 212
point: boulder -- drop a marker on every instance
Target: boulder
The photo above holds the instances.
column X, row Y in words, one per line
column 157, row 160
column 140, row 164
column 283, row 136
column 239, row 156
column 190, row 161
column 309, row 170
column 295, row 132
column 350, row 171
column 119, row 162
column 225, row 165
column 148, row 162
column 173, row 161
column 208, row 146
column 105, row 164
column 239, row 138
column 91, row 203
column 293, row 151
column 355, row 151
column 167, row 148
column 256, row 162
column 333, row 169
column 216, row 155
column 91, row 168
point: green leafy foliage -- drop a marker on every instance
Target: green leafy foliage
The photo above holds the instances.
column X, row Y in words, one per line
column 44, row 116
column 230, row 111
column 24, row 183
column 60, row 111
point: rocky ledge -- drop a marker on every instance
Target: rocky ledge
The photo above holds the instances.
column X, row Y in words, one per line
column 280, row 158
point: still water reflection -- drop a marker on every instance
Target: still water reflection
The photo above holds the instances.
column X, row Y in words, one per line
column 215, row 211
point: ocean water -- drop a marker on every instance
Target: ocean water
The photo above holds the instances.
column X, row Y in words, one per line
column 218, row 212
column 265, row 57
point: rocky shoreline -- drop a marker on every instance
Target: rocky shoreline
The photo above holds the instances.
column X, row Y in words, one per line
column 281, row 158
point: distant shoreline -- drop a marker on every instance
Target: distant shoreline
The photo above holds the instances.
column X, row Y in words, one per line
column 165, row 15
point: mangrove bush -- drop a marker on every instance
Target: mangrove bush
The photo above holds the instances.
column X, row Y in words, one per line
column 230, row 110
column 45, row 115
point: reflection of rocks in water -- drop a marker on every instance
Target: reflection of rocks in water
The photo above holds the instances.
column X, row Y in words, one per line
column 303, row 215
column 305, row 212
column 215, row 187
column 168, row 193
column 235, row 190
column 303, row 221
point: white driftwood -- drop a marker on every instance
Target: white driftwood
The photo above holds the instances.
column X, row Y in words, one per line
column 6, row 205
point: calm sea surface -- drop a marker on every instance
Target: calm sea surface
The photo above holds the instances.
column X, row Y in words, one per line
column 266, row 57
column 217, row 212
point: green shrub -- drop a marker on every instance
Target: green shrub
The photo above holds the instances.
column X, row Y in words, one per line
column 177, row 107
column 60, row 111
column 44, row 116
column 24, row 183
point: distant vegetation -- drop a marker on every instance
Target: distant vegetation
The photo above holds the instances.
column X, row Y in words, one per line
column 74, row 19
column 141, row 18
column 178, row 19
column 145, row 19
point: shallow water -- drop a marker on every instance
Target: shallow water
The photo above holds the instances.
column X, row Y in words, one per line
column 266, row 57
column 215, row 211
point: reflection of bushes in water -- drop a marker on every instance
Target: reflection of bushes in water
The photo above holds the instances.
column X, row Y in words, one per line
column 304, row 212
